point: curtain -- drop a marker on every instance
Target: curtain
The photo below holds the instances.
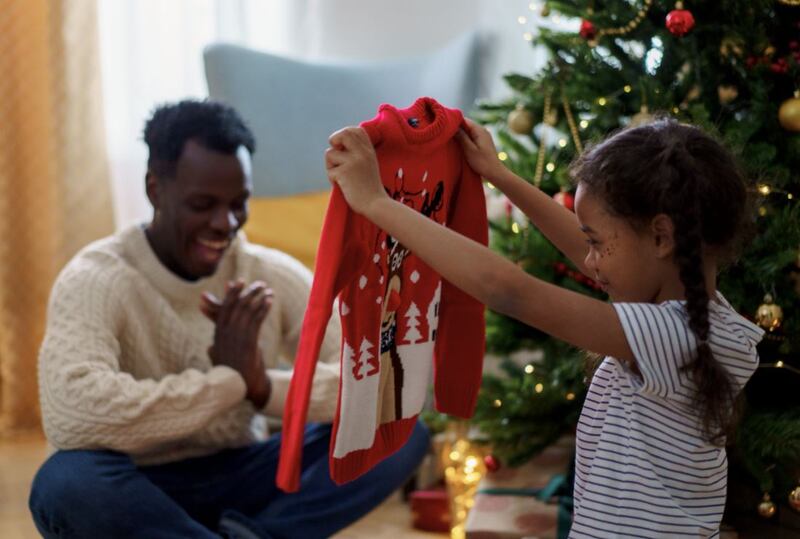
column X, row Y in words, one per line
column 54, row 189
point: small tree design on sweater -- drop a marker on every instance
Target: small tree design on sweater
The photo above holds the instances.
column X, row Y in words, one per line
column 348, row 355
column 412, row 334
column 364, row 356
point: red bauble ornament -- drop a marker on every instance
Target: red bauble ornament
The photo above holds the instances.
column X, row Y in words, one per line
column 565, row 199
column 680, row 21
column 780, row 67
column 492, row 463
column 588, row 31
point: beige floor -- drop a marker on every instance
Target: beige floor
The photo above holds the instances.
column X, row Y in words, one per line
column 20, row 459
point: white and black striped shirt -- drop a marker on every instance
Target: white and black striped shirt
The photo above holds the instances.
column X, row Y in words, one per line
column 642, row 467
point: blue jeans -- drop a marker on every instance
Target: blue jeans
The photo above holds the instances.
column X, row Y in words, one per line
column 103, row 494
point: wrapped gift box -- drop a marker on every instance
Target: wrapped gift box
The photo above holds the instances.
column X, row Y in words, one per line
column 430, row 510
column 516, row 503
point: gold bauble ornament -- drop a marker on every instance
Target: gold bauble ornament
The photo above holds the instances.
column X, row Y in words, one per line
column 545, row 10
column 769, row 52
column 642, row 117
column 684, row 71
column 520, row 120
column 727, row 93
column 766, row 508
column 731, row 45
column 789, row 113
column 794, row 498
column 769, row 315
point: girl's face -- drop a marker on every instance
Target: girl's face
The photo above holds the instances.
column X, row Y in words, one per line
column 626, row 262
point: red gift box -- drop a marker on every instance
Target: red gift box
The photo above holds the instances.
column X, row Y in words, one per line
column 430, row 510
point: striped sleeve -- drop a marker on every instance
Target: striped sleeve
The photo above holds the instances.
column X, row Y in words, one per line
column 733, row 343
column 661, row 343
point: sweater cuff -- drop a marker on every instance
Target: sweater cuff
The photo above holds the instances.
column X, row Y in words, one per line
column 280, row 379
column 231, row 380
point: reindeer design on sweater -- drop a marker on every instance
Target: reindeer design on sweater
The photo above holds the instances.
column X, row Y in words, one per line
column 390, row 392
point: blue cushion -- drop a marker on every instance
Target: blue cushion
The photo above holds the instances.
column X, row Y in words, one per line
column 293, row 106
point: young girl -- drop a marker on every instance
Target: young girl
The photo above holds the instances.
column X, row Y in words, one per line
column 658, row 208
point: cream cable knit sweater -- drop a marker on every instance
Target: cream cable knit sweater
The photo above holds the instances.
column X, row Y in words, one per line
column 124, row 362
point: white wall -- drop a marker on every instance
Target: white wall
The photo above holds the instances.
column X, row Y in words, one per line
column 152, row 53
column 384, row 29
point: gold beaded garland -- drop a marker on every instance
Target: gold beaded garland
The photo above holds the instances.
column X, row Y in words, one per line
column 573, row 128
column 537, row 177
column 636, row 21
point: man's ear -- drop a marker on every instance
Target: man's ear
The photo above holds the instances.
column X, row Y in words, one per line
column 663, row 232
column 153, row 188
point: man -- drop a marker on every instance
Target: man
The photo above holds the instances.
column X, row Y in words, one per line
column 161, row 353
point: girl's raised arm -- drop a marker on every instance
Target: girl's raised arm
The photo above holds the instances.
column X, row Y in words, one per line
column 579, row 320
column 555, row 221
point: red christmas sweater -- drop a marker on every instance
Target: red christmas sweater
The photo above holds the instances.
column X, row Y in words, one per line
column 399, row 317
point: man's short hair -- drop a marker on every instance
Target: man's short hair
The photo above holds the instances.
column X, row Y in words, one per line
column 214, row 125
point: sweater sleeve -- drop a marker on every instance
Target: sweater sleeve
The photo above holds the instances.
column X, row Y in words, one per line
column 461, row 337
column 330, row 276
column 292, row 281
column 87, row 402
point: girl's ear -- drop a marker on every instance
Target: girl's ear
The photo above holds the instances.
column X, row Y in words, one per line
column 663, row 233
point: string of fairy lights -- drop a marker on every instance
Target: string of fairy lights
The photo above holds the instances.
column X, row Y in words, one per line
column 541, row 10
column 529, row 370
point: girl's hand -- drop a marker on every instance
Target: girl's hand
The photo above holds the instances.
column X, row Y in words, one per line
column 351, row 163
column 479, row 150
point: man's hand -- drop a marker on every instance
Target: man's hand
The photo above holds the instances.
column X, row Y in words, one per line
column 238, row 318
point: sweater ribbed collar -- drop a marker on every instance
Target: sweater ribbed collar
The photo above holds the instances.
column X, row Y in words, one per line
column 433, row 126
column 173, row 287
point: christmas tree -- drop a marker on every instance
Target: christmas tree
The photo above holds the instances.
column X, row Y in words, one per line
column 731, row 67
